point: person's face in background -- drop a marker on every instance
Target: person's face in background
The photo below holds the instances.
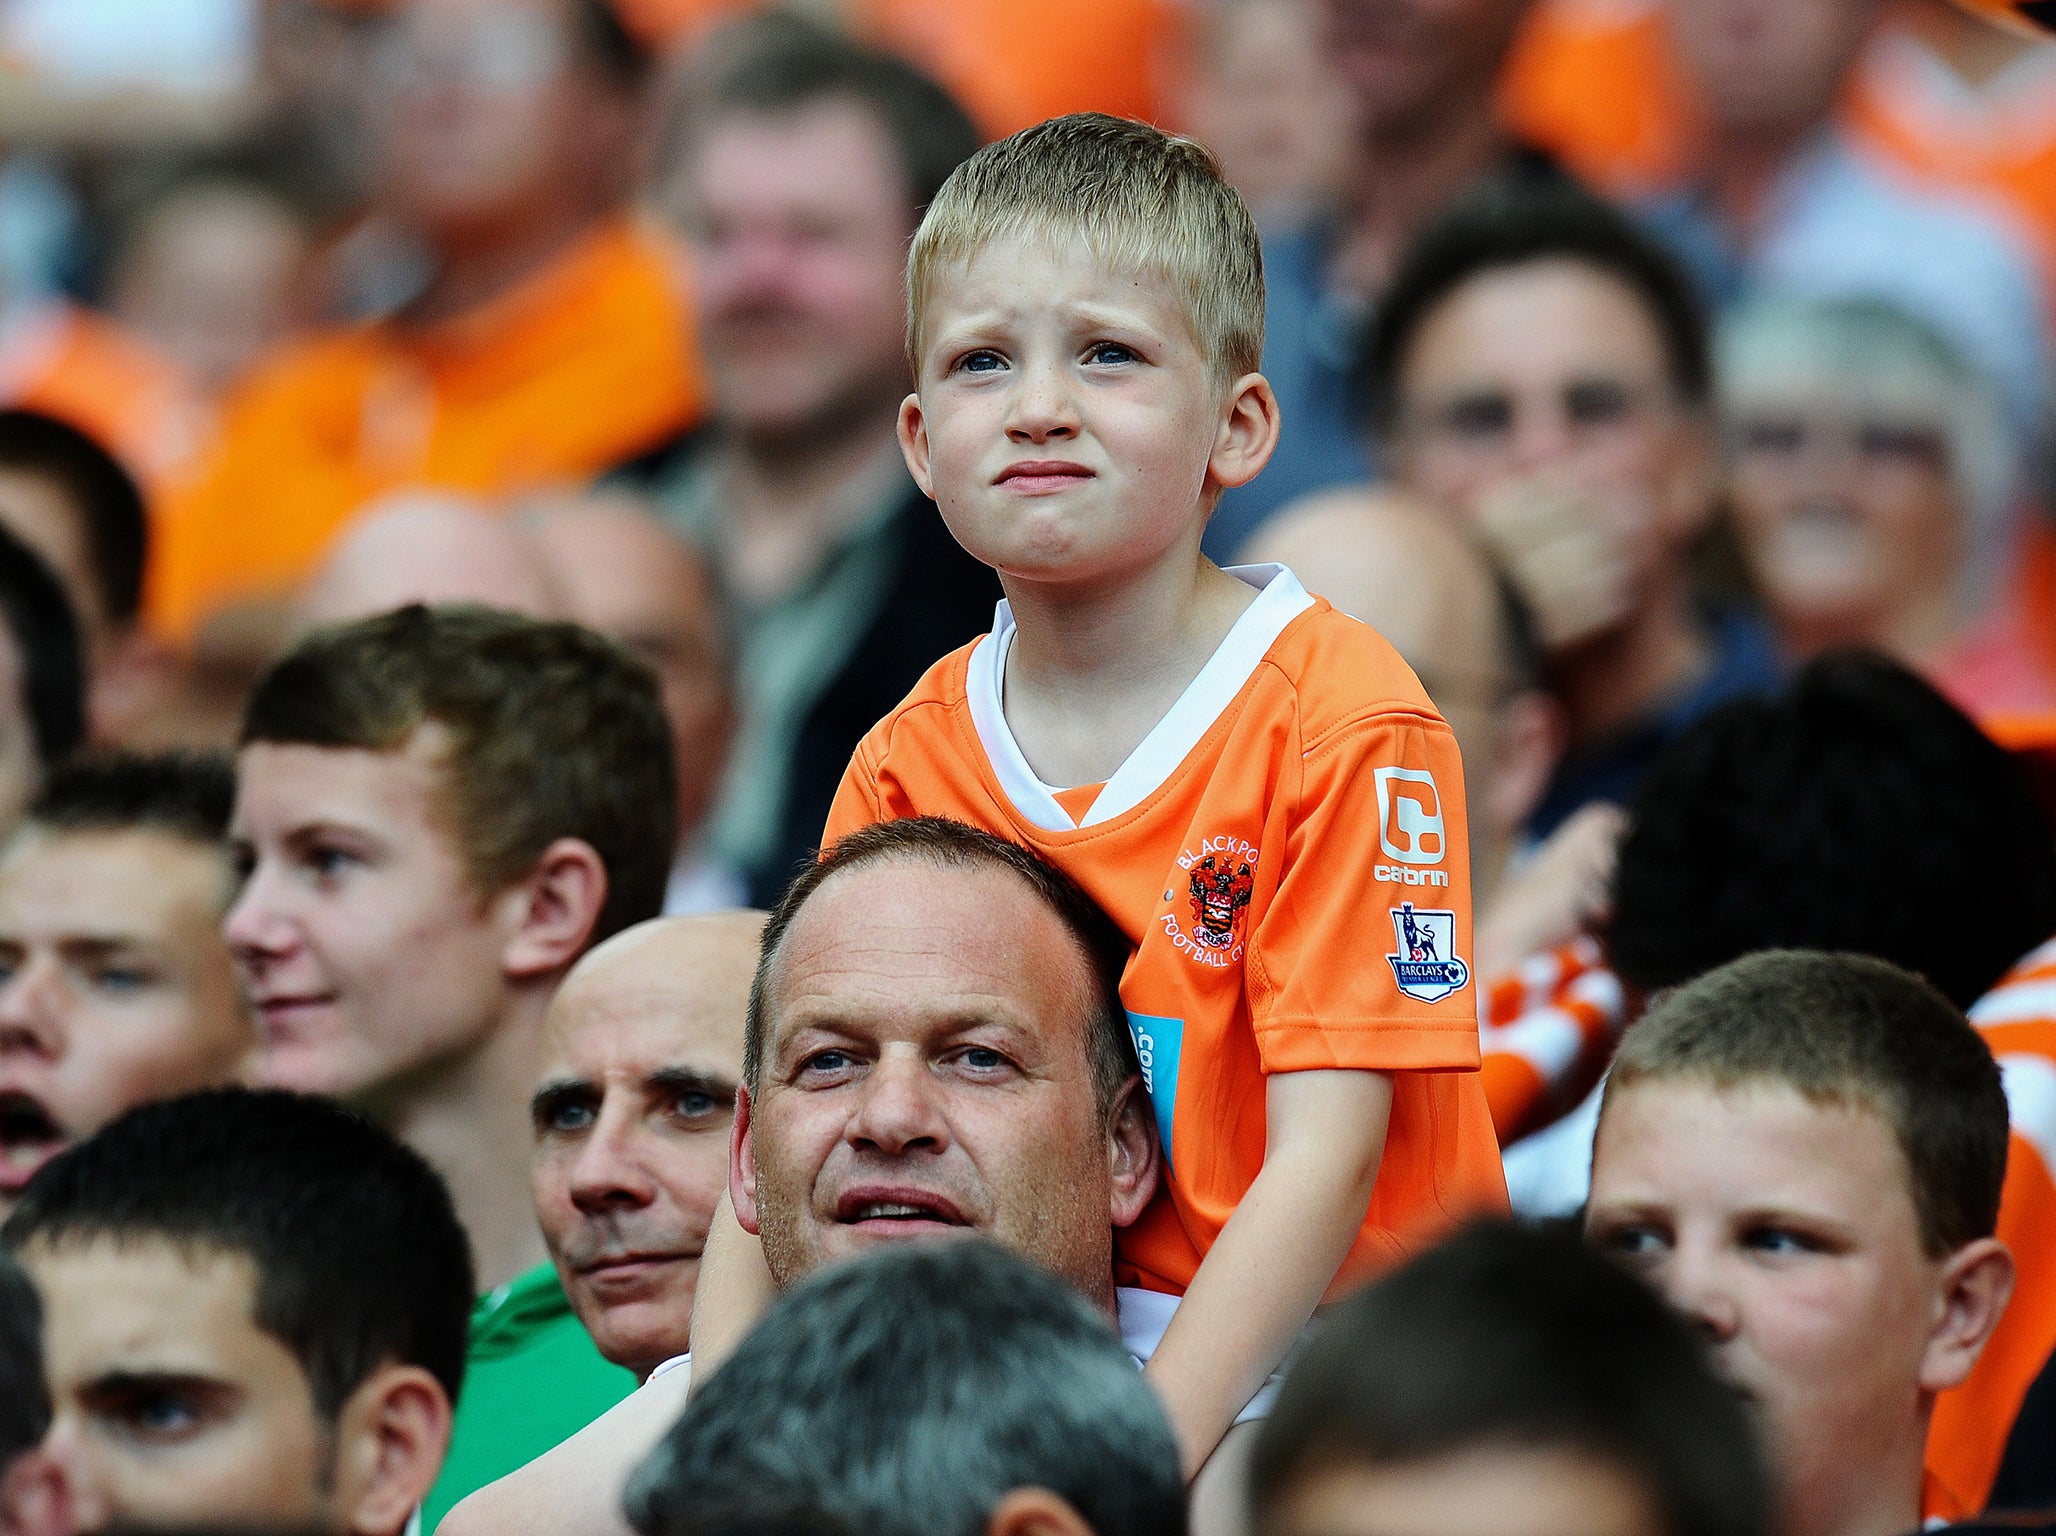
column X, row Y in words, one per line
column 798, row 223
column 1407, row 65
column 115, row 987
column 1849, row 516
column 1262, row 96
column 1767, row 69
column 493, row 119
column 21, row 764
column 1492, row 1490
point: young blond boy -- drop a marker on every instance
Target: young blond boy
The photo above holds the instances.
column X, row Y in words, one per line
column 1252, row 785
column 1804, row 1152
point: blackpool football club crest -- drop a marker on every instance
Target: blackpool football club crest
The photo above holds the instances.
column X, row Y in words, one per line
column 1426, row 967
column 1219, row 891
column 1207, row 901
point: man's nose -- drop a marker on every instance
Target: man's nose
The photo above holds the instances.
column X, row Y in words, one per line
column 30, row 1009
column 1695, row 1281
column 256, row 926
column 606, row 1174
column 898, row 1109
column 1044, row 405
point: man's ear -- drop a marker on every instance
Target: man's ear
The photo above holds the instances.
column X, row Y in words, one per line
column 391, row 1438
column 552, row 911
column 35, row 1497
column 1976, row 1284
column 133, row 678
column 1248, row 433
column 742, row 1164
column 913, row 439
column 1035, row 1512
column 1136, row 1156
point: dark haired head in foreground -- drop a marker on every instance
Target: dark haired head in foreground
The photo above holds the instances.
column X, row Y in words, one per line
column 34, row 1497
column 42, row 676
column 258, row 1306
column 925, row 1389
column 1507, row 1380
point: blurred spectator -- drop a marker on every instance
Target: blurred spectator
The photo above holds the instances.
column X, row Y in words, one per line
column 1778, row 197
column 1258, row 92
column 429, row 547
column 1418, row 77
column 1804, row 1152
column 35, row 1496
column 73, row 503
column 1406, row 569
column 632, row 578
column 255, row 1315
column 213, row 274
column 1584, row 455
column 1875, row 491
column 42, row 676
column 547, row 342
column 804, row 167
column 115, row 986
column 1014, row 1411
column 642, row 1055
column 440, row 810
column 1507, row 1383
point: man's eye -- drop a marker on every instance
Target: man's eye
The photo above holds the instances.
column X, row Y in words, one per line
column 698, row 1106
column 826, row 1066
column 158, row 1416
column 983, row 1059
column 1110, row 352
column 121, row 979
column 571, row 1117
column 1479, row 417
column 1597, row 404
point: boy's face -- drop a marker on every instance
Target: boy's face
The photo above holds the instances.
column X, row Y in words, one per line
column 366, row 950
column 1786, row 1231
column 1498, row 1490
column 172, row 1406
column 1064, row 419
column 115, row 987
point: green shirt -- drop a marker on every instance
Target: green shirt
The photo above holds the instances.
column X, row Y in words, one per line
column 532, row 1379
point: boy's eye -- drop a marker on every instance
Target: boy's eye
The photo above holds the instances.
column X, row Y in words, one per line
column 1779, row 1242
column 1109, row 352
column 981, row 361
column 121, row 978
column 1636, row 1240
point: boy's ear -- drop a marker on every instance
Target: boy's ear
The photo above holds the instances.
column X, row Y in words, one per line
column 1248, row 434
column 1035, row 1512
column 551, row 913
column 1136, row 1156
column 391, row 1438
column 913, row 439
column 1976, row 1283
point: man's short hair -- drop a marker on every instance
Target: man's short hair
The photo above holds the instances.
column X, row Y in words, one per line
column 39, row 619
column 1858, row 810
column 905, row 1393
column 783, row 63
column 1508, row 1336
column 24, row 1394
column 952, row 845
column 358, row 1254
column 105, row 495
column 1512, row 221
column 613, row 49
column 553, row 732
column 1849, row 1030
column 1142, row 199
column 187, row 794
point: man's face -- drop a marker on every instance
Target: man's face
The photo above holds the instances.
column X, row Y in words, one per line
column 172, row 1406
column 367, row 952
column 1768, row 67
column 1498, row 1490
column 115, row 987
column 633, row 1110
column 1785, row 1230
column 925, row 1072
column 1404, row 63
column 799, row 224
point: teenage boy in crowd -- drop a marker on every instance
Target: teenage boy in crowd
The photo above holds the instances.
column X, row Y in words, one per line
column 1507, row 1383
column 1804, row 1152
column 255, row 1309
column 1201, row 751
column 115, row 986
column 439, row 811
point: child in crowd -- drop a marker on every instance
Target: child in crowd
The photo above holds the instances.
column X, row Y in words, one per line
column 1252, row 785
column 1804, row 1152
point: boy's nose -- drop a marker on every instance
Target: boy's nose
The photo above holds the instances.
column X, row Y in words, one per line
column 1043, row 408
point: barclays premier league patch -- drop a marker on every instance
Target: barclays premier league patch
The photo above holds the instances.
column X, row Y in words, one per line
column 1426, row 966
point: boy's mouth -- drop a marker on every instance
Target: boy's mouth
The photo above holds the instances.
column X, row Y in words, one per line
column 1039, row 477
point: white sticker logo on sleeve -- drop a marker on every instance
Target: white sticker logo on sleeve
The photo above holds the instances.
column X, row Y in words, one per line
column 1410, row 816
column 1426, row 967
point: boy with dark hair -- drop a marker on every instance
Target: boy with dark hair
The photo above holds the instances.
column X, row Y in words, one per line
column 42, row 676
column 1507, row 1381
column 35, row 1497
column 256, row 1314
column 1805, row 1152
column 115, row 986
column 440, row 810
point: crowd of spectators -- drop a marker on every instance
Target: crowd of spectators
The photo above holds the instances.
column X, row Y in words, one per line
column 968, row 768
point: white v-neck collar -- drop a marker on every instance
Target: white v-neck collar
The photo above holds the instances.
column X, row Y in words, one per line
column 1280, row 600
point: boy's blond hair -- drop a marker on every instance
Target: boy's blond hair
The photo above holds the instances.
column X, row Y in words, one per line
column 1143, row 199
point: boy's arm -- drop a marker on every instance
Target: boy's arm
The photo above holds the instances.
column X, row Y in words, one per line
column 1278, row 1254
column 734, row 1290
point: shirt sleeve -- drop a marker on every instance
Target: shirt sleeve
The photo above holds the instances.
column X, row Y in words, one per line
column 856, row 803
column 1360, row 960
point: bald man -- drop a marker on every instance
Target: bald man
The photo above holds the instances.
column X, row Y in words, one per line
column 624, row 573
column 633, row 1106
column 1408, row 570
column 430, row 547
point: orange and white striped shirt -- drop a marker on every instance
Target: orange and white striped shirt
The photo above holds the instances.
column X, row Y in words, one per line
column 1547, row 1030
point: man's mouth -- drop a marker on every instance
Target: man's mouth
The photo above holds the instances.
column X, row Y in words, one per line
column 280, row 1014
column 894, row 1210
column 29, row 1138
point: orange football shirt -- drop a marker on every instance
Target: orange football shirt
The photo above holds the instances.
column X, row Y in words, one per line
column 588, row 362
column 1286, row 851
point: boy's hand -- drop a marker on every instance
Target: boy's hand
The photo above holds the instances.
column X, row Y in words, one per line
column 1573, row 552
column 1562, row 889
